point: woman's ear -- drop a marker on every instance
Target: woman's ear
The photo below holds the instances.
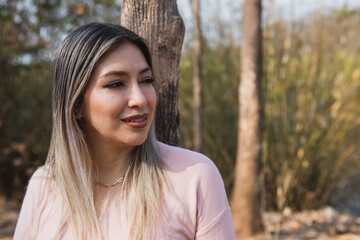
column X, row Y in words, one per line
column 78, row 116
column 78, row 113
column 79, row 109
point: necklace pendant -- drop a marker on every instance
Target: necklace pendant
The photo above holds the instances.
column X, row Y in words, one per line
column 111, row 184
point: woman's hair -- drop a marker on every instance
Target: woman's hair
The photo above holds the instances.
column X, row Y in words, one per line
column 69, row 160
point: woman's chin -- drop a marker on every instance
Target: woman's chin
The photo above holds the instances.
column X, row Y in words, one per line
column 136, row 141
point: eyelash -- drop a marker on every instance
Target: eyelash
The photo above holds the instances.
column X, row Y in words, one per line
column 147, row 80
column 120, row 84
column 114, row 84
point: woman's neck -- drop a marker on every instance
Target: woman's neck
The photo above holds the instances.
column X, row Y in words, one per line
column 110, row 163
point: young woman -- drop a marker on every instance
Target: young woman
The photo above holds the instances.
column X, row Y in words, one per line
column 106, row 176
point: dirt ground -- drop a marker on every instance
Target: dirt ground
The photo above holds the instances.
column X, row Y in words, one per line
column 9, row 212
column 323, row 224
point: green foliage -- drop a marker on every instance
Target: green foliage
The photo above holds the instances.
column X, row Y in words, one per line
column 29, row 33
column 220, row 77
column 311, row 119
column 24, row 96
column 311, row 81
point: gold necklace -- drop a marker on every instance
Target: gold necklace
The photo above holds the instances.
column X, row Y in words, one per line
column 111, row 184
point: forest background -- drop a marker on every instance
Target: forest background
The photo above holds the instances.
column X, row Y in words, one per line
column 310, row 87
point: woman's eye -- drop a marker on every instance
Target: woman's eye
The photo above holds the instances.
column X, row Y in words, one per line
column 147, row 81
column 114, row 84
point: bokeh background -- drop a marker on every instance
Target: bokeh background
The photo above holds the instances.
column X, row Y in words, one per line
column 310, row 87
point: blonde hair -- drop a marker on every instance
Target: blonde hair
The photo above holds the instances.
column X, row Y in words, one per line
column 69, row 159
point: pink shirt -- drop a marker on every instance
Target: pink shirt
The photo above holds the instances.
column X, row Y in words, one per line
column 198, row 208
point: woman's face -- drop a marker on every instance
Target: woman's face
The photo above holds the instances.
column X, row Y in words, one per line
column 120, row 100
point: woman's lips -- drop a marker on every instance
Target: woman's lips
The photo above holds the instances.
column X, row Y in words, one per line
column 136, row 121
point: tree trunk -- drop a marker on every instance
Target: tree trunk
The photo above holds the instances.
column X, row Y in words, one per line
column 246, row 204
column 197, row 80
column 159, row 22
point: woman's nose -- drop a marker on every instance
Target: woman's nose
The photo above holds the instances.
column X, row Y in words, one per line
column 136, row 97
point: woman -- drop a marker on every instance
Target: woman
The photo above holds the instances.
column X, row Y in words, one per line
column 106, row 176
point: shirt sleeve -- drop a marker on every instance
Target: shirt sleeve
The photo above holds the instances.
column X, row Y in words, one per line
column 27, row 212
column 214, row 215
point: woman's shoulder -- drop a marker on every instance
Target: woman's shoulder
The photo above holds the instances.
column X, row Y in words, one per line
column 196, row 180
column 172, row 154
column 32, row 206
column 39, row 180
column 42, row 173
column 196, row 197
column 193, row 164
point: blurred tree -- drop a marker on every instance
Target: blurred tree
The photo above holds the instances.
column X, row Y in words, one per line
column 159, row 22
column 311, row 80
column 220, row 79
column 245, row 202
column 29, row 33
column 24, row 93
column 310, row 86
column 197, row 78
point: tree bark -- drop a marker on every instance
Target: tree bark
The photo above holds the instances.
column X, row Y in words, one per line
column 246, row 204
column 197, row 90
column 159, row 22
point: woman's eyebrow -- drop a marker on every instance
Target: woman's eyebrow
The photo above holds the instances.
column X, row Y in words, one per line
column 114, row 73
column 123, row 73
column 145, row 70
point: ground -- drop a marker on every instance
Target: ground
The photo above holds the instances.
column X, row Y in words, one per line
column 9, row 212
column 324, row 224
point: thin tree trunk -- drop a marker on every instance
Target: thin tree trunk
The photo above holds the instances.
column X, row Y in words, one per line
column 159, row 22
column 197, row 80
column 246, row 204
